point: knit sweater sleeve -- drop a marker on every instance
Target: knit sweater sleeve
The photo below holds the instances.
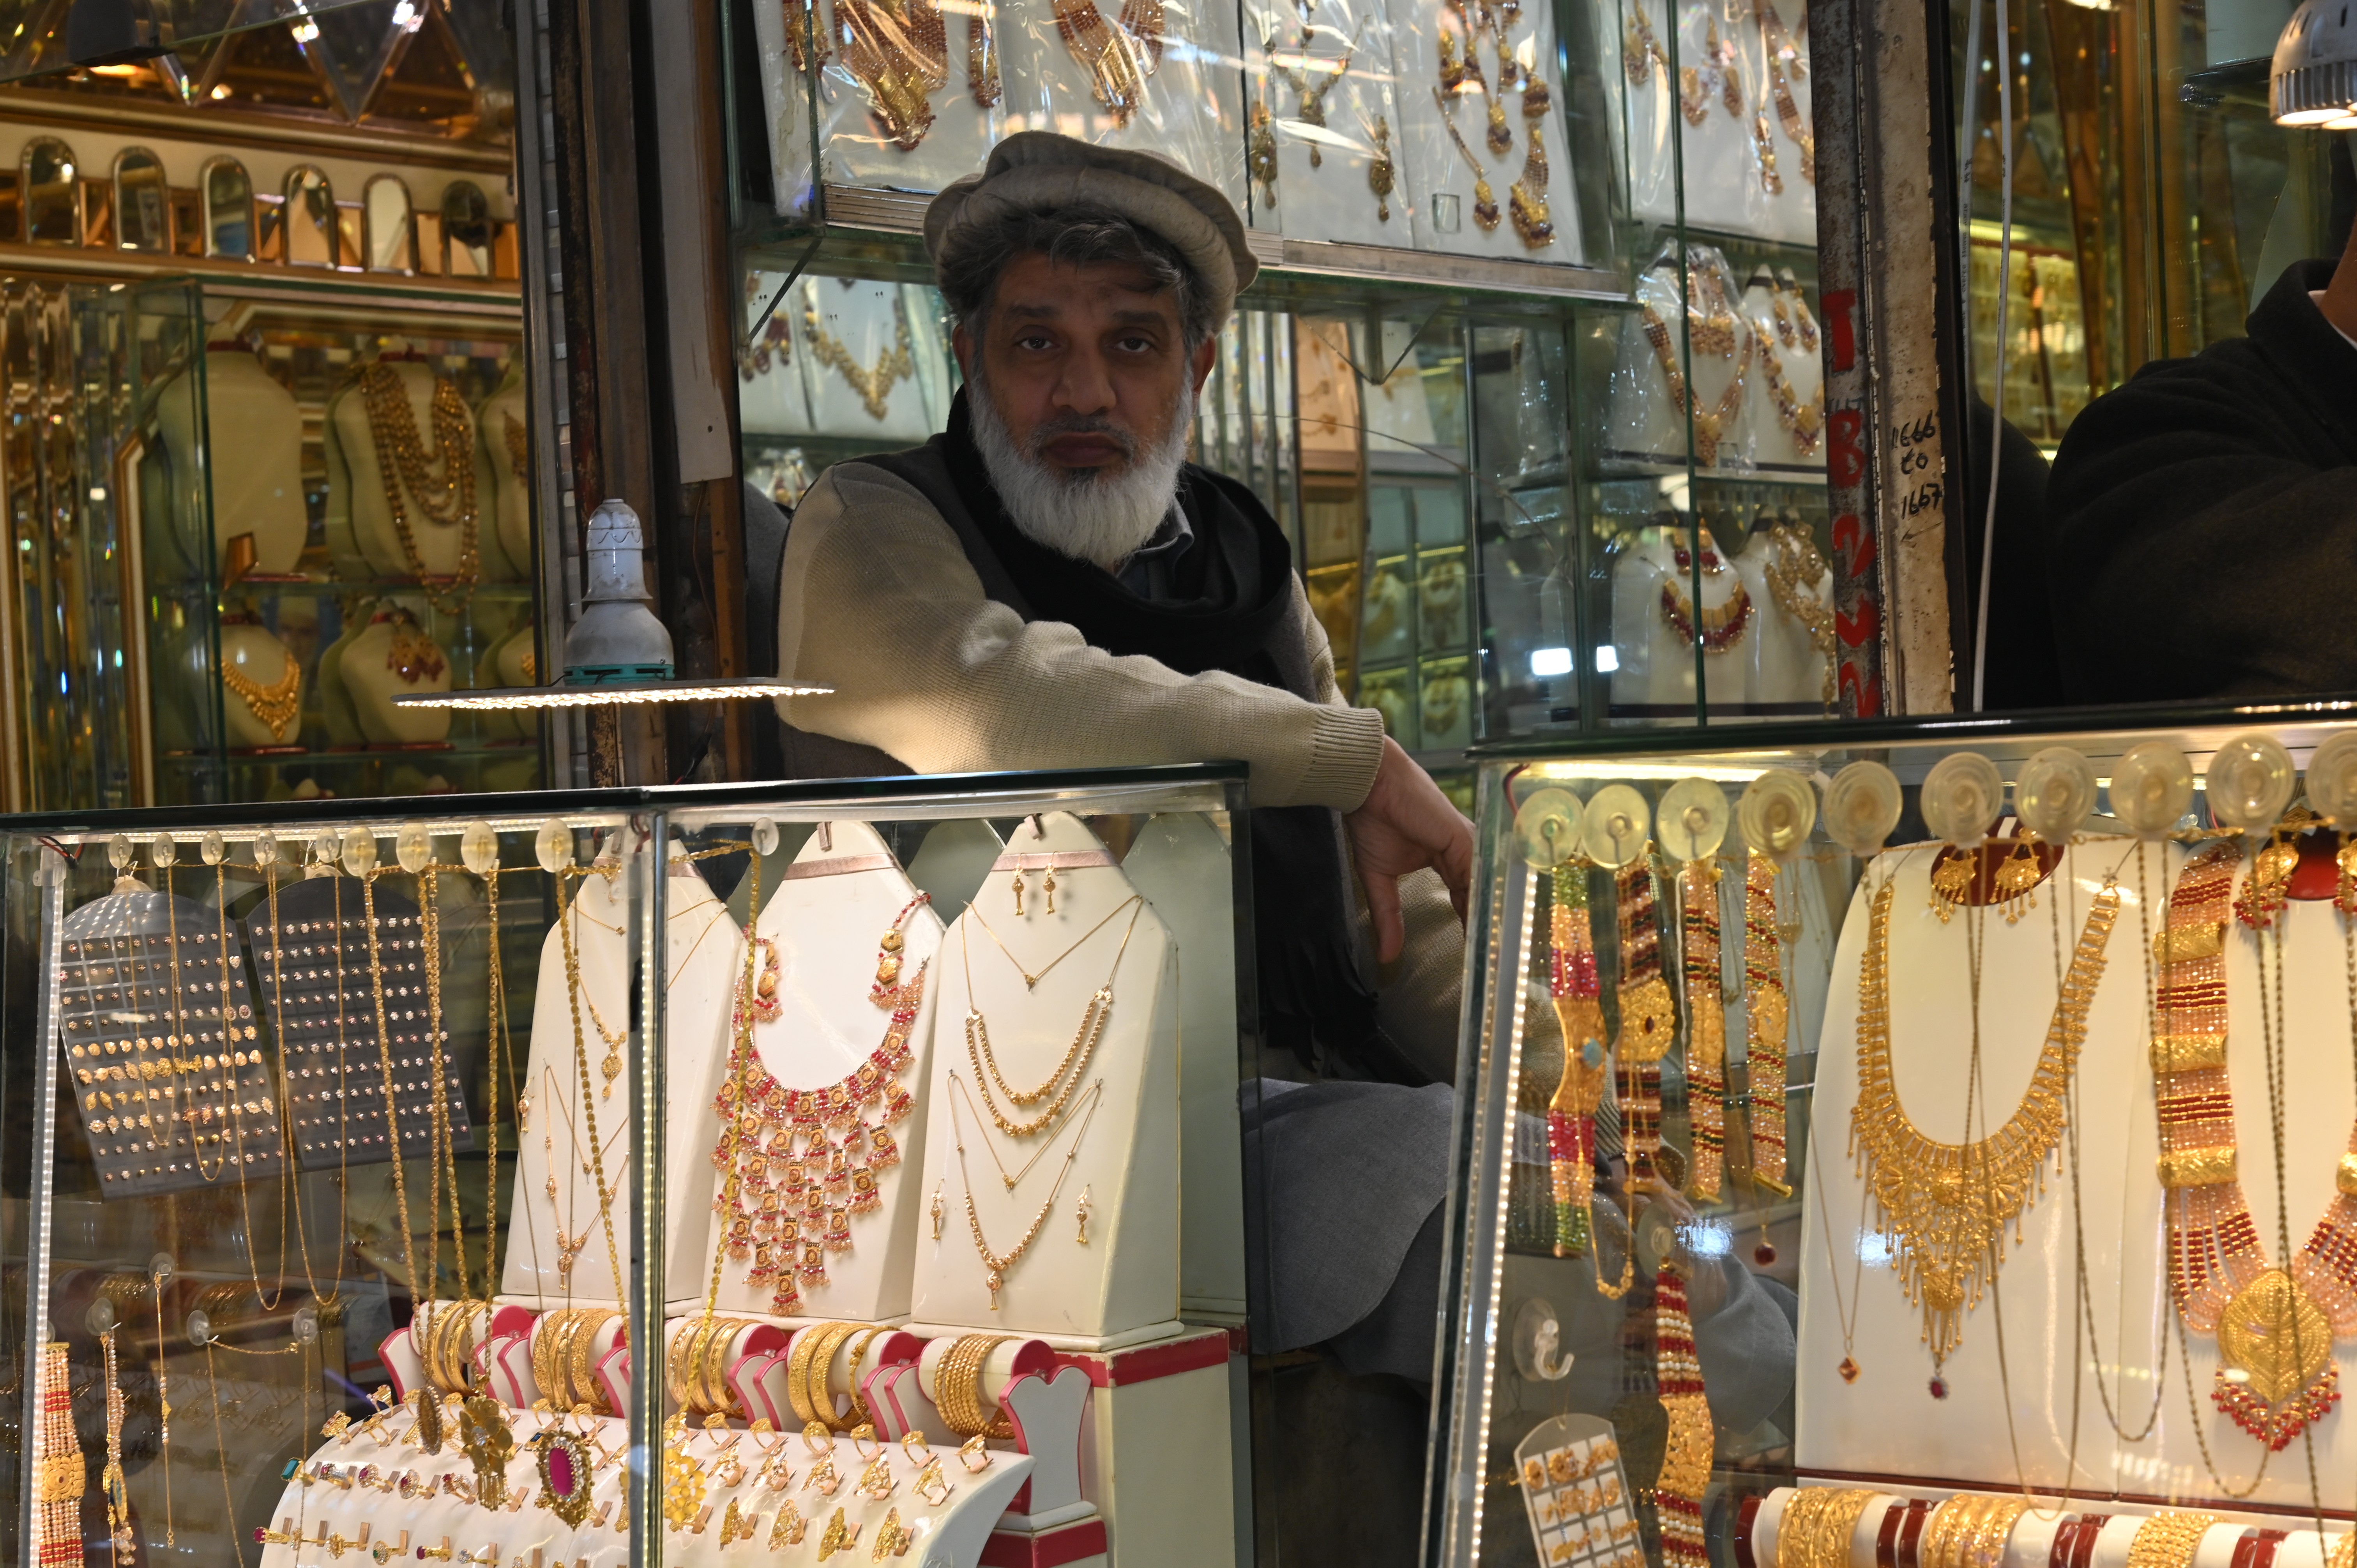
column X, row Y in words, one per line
column 876, row 601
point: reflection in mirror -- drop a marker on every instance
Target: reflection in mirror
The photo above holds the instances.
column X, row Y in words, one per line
column 229, row 210
column 390, row 246
column 52, row 216
column 467, row 223
column 310, row 219
column 142, row 212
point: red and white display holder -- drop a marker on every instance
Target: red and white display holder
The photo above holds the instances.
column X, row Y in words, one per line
column 2053, row 1533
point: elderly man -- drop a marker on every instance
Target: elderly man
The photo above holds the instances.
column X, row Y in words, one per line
column 1050, row 583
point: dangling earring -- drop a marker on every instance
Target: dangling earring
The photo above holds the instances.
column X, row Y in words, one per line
column 1051, row 886
column 2016, row 882
column 1081, row 1211
column 1019, row 890
column 937, row 1209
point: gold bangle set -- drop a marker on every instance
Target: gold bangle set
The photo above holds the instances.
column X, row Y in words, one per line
column 1816, row 1527
column 561, row 1351
column 696, row 1371
column 957, row 1386
column 2169, row 1540
column 445, row 1350
column 1969, row 1531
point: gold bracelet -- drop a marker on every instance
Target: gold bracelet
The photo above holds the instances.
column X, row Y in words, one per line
column 859, row 1411
column 1816, row 1527
column 971, row 1356
column 951, row 1374
column 713, row 1368
column 822, row 1368
column 798, row 1373
column 579, row 1346
column 1986, row 1546
column 1945, row 1527
column 676, row 1355
column 547, row 1338
column 2169, row 1540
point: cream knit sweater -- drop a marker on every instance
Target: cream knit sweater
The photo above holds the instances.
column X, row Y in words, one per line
column 877, row 600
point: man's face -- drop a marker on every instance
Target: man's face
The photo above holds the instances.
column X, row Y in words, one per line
column 1084, row 366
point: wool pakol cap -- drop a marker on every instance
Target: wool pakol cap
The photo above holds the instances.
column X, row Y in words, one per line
column 1039, row 171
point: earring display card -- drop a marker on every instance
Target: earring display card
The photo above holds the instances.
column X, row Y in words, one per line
column 1580, row 1510
column 321, row 986
column 161, row 1049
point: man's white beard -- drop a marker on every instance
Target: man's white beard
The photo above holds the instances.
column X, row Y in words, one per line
column 1099, row 515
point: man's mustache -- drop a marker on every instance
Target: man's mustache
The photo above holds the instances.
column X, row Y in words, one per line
column 1082, row 425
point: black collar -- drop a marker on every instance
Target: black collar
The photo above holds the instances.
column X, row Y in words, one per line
column 2307, row 352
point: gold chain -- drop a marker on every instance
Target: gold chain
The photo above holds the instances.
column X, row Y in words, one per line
column 1947, row 1205
column 406, row 470
column 996, row 1264
column 588, row 1104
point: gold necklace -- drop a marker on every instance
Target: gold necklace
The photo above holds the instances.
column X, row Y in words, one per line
column 581, row 1071
column 874, row 386
column 1313, row 96
column 275, row 705
column 1029, row 979
column 442, row 482
column 1119, row 56
column 996, row 1264
column 519, row 451
column 1526, row 198
column 610, row 1065
column 1947, row 1206
column 1093, row 1018
column 1794, row 567
column 1782, row 53
column 1485, row 201
column 1012, row 1181
column 569, row 1240
column 900, row 51
column 1711, row 425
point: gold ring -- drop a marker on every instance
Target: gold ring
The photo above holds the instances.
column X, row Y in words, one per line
column 818, row 1437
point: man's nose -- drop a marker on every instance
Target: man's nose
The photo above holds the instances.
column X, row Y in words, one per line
column 1085, row 387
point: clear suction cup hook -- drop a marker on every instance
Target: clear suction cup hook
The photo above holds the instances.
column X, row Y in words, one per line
column 326, row 848
column 478, row 848
column 1546, row 828
column 413, row 846
column 265, row 849
column 99, row 1318
column 122, row 854
column 2332, row 780
column 2152, row 788
column 1691, row 822
column 2250, row 782
column 1775, row 812
column 212, row 849
column 1862, row 805
column 1614, row 827
column 360, row 850
column 553, row 845
column 765, row 837
column 162, row 853
column 2055, row 793
column 1961, row 797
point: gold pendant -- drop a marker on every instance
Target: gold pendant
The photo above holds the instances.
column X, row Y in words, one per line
column 1648, row 1024
column 2276, row 1335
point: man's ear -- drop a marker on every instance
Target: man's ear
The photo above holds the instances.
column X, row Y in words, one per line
column 961, row 345
column 1207, row 353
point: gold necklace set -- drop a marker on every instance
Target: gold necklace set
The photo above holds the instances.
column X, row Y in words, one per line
column 440, row 481
column 276, row 703
column 1710, row 329
column 873, row 385
column 1794, row 568
column 1461, row 72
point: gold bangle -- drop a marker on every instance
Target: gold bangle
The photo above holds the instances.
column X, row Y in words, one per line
column 970, row 1358
column 676, row 1357
column 953, row 1385
column 1942, row 1530
column 579, row 1346
column 859, row 1411
column 798, row 1362
column 1816, row 1527
column 1986, row 1547
column 821, row 1392
column 718, row 1332
column 2169, row 1540
column 714, row 1367
column 547, row 1366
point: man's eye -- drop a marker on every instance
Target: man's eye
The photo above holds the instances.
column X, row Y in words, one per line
column 1137, row 345
column 1033, row 340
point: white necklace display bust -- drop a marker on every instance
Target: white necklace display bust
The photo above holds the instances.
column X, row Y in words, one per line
column 1656, row 677
column 1117, row 1146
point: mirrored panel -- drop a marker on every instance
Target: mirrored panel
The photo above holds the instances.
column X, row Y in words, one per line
column 467, row 223
column 392, row 245
column 143, row 208
column 310, row 219
column 228, row 210
column 52, row 210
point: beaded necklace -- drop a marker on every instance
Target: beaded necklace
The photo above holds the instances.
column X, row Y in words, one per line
column 1573, row 981
column 785, row 1207
column 441, row 481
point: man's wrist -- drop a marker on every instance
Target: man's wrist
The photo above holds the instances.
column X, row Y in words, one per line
column 1346, row 753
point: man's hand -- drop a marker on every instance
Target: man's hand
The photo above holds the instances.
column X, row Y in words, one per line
column 1404, row 824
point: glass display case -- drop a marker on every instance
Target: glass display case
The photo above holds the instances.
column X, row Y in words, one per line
column 1848, row 1167
column 372, row 1148
column 1532, row 369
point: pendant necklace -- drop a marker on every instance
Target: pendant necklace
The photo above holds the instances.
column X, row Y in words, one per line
column 1118, row 55
column 2275, row 1323
column 995, row 1265
column 900, row 51
column 1485, row 199
column 1065, row 1081
column 1946, row 1206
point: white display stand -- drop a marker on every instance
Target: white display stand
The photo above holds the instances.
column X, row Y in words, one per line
column 336, row 706
column 1180, row 862
column 1723, row 187
column 1156, row 1449
column 1645, row 423
column 1788, row 671
column 371, row 676
column 1123, row 1285
column 1657, row 664
column 1774, row 446
column 598, row 914
column 704, row 963
column 1889, row 1416
column 836, row 900
column 502, row 425
column 254, row 457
